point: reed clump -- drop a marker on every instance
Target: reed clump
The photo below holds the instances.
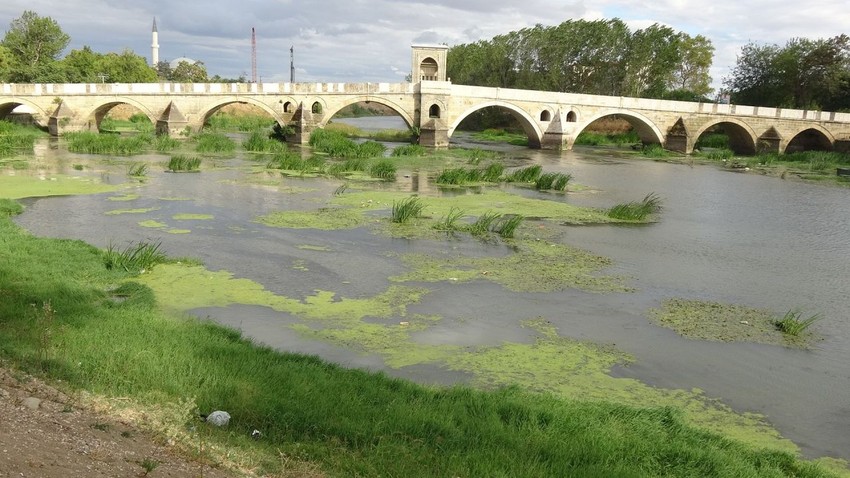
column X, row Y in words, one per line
column 409, row 150
column 552, row 181
column 135, row 258
column 383, row 169
column 212, row 142
column 793, row 323
column 636, row 211
column 407, row 209
column 528, row 174
column 182, row 163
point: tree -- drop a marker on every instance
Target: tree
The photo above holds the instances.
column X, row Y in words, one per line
column 691, row 75
column 35, row 43
column 127, row 68
column 6, row 63
column 186, row 72
column 803, row 74
column 82, row 66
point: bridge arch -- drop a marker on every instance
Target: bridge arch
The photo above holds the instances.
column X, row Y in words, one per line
column 329, row 113
column 100, row 111
column 813, row 138
column 528, row 123
column 209, row 110
column 40, row 116
column 644, row 127
column 742, row 138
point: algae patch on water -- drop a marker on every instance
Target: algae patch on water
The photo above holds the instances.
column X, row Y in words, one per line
column 22, row 186
column 534, row 266
column 192, row 217
column 489, row 200
column 116, row 212
column 705, row 320
column 332, row 218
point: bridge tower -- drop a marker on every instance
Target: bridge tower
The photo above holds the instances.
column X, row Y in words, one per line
column 428, row 71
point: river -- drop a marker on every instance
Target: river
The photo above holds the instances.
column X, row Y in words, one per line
column 723, row 236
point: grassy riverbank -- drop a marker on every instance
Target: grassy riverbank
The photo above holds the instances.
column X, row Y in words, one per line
column 63, row 314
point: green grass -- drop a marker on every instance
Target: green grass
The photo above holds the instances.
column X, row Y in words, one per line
column 211, row 142
column 654, row 150
column 501, row 136
column 718, row 154
column 292, row 161
column 588, row 138
column 336, row 145
column 636, row 211
column 244, row 123
column 163, row 143
column 345, row 422
column 793, row 324
column 713, row 140
column 9, row 207
column 492, row 173
column 552, row 181
column 17, row 138
column 407, row 209
column 182, row 163
column 138, row 123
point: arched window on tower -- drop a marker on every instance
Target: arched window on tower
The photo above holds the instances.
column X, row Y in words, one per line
column 287, row 107
column 434, row 111
column 428, row 69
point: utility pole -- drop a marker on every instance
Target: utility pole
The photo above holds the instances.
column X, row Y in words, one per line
column 253, row 56
column 292, row 64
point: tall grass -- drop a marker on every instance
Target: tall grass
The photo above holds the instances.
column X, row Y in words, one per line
column 501, row 136
column 182, row 163
column 10, row 207
column 96, row 143
column 793, row 324
column 484, row 223
column 210, row 142
column 14, row 137
column 654, row 150
column 292, row 161
column 336, row 145
column 346, row 422
column 244, row 123
column 410, row 150
column 552, row 181
column 135, row 258
column 383, row 169
column 407, row 209
column 449, row 222
column 529, row 174
column 589, row 138
column 506, row 226
column 636, row 211
column 713, row 140
column 164, row 143
column 137, row 170
column 492, row 173
column 259, row 142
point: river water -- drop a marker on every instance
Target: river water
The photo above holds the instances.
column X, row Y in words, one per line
column 723, row 236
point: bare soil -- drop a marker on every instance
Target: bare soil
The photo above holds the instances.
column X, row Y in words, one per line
column 44, row 434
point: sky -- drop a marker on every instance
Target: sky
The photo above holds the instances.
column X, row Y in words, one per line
column 369, row 40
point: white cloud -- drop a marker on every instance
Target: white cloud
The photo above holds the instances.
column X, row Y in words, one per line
column 369, row 40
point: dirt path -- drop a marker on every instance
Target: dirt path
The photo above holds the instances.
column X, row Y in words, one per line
column 44, row 435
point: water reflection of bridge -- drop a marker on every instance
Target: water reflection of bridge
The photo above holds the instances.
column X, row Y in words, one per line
column 435, row 107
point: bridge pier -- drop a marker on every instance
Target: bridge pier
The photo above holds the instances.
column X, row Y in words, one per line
column 171, row 122
column 433, row 135
column 304, row 123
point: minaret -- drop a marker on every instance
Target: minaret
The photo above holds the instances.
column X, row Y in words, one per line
column 154, row 45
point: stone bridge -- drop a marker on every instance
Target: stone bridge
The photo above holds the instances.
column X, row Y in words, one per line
column 435, row 107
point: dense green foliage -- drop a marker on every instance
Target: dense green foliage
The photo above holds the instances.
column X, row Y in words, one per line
column 595, row 57
column 809, row 74
column 182, row 163
column 336, row 145
column 636, row 211
column 34, row 44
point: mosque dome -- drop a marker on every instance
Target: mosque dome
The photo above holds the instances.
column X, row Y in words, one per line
column 173, row 63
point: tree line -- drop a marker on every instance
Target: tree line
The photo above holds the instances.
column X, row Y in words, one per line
column 601, row 57
column 31, row 50
column 803, row 74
